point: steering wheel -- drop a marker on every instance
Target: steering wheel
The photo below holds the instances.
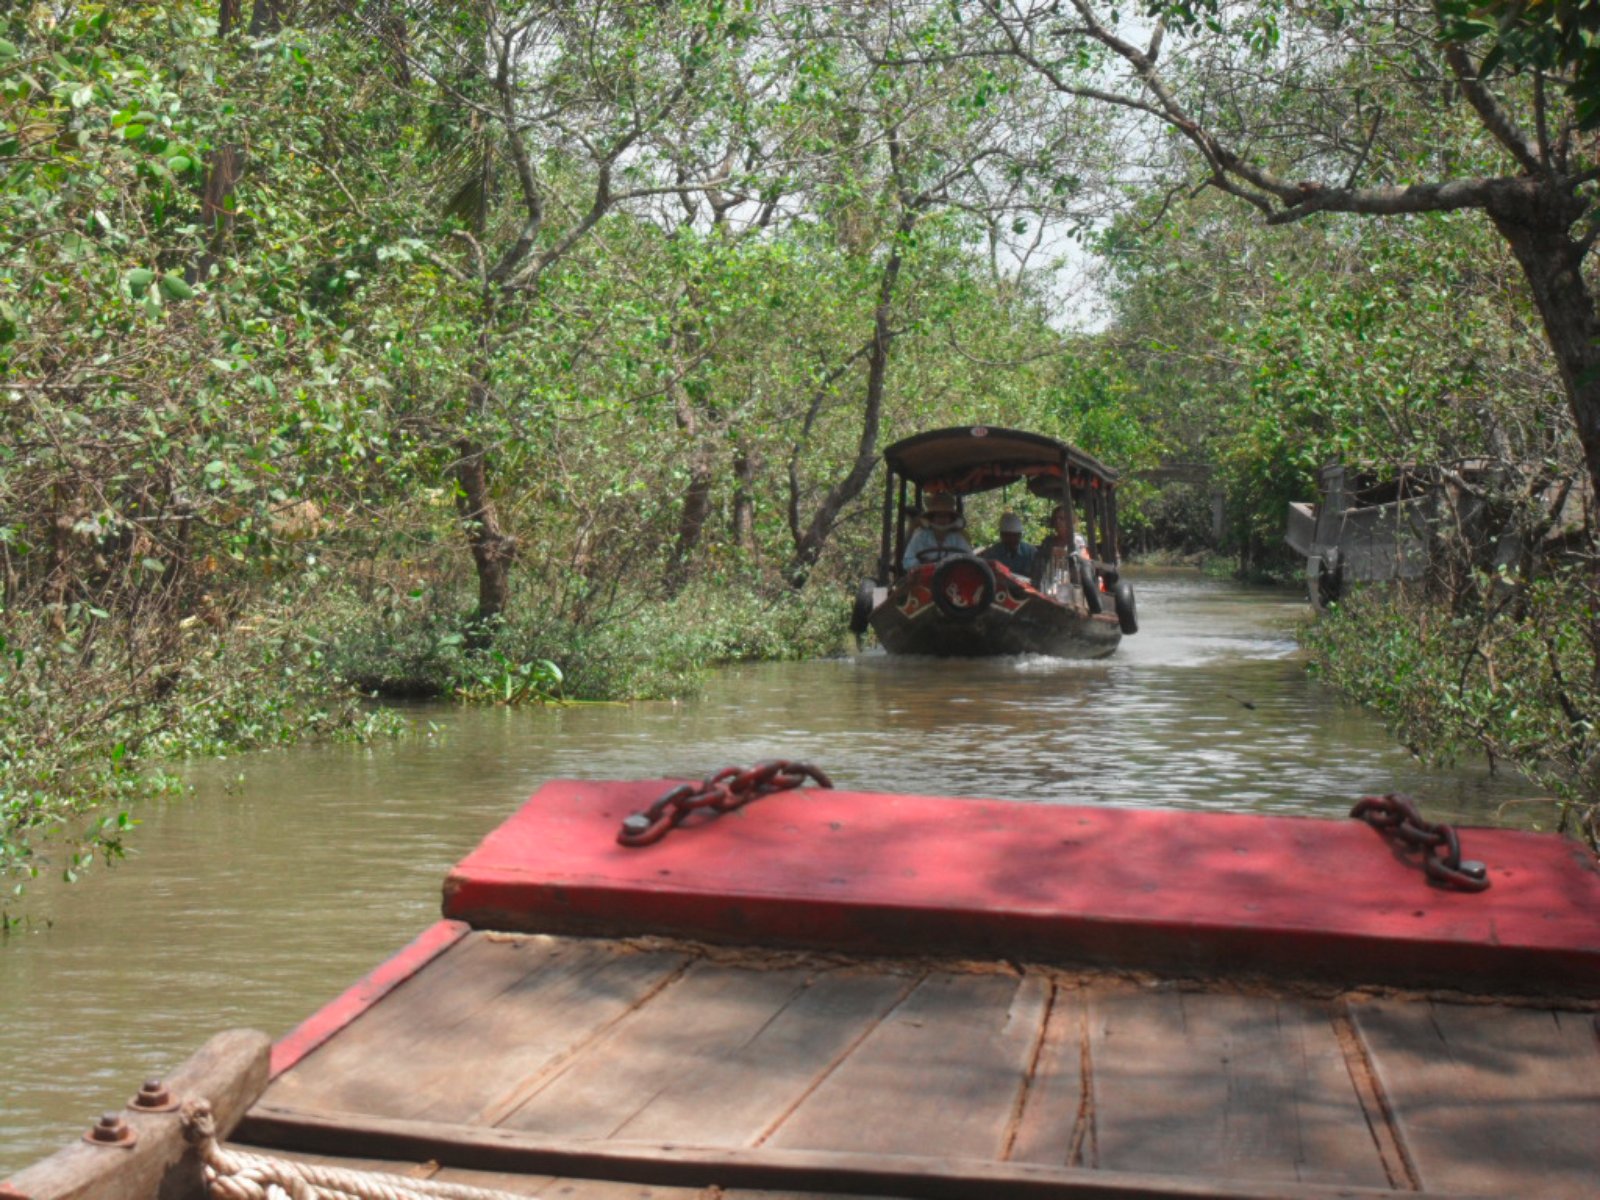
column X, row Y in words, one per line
column 930, row 554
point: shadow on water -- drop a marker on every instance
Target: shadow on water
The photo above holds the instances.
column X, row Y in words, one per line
column 288, row 875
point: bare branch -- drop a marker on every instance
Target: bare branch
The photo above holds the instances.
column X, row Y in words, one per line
column 1495, row 119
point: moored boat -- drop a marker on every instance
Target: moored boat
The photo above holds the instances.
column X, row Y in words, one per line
column 662, row 989
column 951, row 602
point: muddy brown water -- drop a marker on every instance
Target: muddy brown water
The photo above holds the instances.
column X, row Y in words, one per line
column 285, row 876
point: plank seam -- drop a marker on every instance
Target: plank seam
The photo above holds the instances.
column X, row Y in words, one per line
column 837, row 1061
column 1083, row 1130
column 1025, row 1091
column 494, row 1114
column 1382, row 1124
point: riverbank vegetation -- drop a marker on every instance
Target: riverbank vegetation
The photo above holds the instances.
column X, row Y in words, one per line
column 521, row 351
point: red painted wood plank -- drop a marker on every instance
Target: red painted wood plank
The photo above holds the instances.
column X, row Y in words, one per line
column 1187, row 891
column 362, row 995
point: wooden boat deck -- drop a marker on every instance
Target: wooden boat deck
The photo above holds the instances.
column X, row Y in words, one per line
column 1151, row 1005
column 550, row 1065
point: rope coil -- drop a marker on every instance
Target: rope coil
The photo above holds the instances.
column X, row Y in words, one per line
column 236, row 1175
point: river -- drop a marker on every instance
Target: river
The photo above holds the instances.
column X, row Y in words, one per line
column 284, row 876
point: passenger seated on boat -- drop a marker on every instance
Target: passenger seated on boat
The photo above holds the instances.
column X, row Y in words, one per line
column 940, row 534
column 1057, row 538
column 1011, row 551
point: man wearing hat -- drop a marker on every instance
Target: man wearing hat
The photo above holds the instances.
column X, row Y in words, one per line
column 940, row 534
column 1011, row 551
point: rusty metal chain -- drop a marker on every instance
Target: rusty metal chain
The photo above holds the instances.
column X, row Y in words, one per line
column 1397, row 817
column 728, row 789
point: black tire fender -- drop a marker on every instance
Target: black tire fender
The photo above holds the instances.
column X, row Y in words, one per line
column 1127, row 614
column 952, row 568
column 861, row 611
column 1091, row 589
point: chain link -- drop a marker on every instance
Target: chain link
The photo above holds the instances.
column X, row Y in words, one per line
column 728, row 789
column 1397, row 817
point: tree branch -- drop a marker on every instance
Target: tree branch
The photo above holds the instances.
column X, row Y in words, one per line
column 1495, row 119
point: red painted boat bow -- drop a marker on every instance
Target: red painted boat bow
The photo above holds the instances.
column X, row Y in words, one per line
column 1194, row 892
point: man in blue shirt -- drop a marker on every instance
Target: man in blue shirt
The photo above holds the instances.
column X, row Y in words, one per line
column 940, row 535
column 1011, row 551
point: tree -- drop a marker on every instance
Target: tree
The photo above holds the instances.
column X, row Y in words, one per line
column 923, row 161
column 1308, row 111
column 550, row 115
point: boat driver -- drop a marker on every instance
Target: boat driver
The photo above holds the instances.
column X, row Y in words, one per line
column 1011, row 551
column 939, row 535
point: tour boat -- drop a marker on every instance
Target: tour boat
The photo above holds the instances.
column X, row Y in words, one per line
column 749, row 987
column 961, row 604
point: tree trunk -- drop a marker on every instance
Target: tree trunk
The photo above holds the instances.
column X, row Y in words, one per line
column 744, row 505
column 809, row 545
column 493, row 551
column 266, row 17
column 225, row 168
column 1536, row 224
column 223, row 174
column 696, row 505
column 692, row 518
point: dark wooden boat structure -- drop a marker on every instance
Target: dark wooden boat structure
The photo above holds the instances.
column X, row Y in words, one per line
column 833, row 993
column 963, row 605
column 1376, row 526
column 1367, row 528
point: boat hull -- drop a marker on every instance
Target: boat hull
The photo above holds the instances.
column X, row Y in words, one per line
column 1018, row 620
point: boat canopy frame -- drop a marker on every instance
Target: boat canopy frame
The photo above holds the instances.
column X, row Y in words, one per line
column 966, row 460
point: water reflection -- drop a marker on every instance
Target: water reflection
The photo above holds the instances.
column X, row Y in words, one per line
column 288, row 875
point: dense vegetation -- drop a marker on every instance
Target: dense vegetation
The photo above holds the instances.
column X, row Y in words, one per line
column 523, row 351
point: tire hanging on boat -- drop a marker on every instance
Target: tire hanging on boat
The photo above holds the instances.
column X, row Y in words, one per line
column 861, row 613
column 1127, row 614
column 1091, row 589
column 963, row 587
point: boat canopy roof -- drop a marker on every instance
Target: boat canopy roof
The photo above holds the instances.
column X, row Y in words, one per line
column 975, row 458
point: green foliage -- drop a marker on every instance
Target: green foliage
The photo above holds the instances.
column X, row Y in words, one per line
column 1512, row 677
column 1561, row 40
column 650, row 650
column 1374, row 343
column 1177, row 518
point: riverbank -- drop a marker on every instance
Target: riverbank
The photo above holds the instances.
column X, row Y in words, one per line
column 91, row 720
column 1507, row 678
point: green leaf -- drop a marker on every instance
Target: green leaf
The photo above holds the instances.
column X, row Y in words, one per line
column 139, row 279
column 8, row 51
column 175, row 288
